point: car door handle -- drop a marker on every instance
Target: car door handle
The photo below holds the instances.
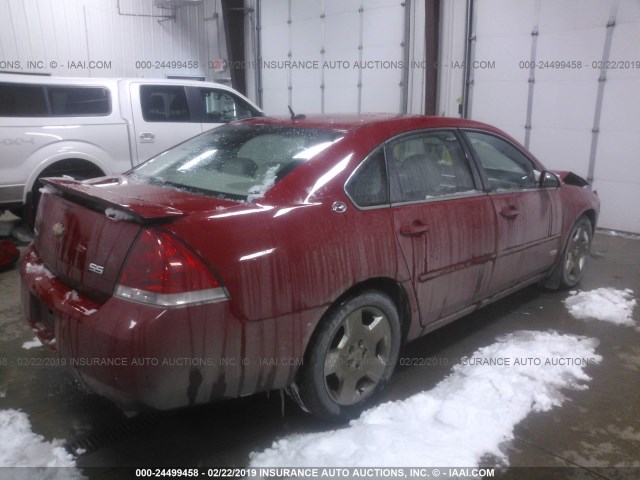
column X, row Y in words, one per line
column 414, row 229
column 147, row 137
column 510, row 212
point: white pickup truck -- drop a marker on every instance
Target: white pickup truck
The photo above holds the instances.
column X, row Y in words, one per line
column 88, row 127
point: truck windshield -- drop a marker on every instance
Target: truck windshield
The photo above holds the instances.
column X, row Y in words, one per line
column 238, row 162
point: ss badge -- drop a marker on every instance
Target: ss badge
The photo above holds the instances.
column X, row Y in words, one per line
column 96, row 268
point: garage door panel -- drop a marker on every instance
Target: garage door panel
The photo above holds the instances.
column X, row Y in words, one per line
column 341, row 32
column 277, row 12
column 278, row 44
column 305, row 99
column 619, row 207
column 337, row 102
column 616, row 160
column 309, row 36
column 500, row 18
column 506, row 54
column 572, row 14
column 562, row 149
column 275, row 77
column 381, row 26
column 621, row 105
column 581, row 46
column 306, row 78
column 378, row 98
column 304, row 10
column 562, row 104
column 629, row 10
column 500, row 103
column 275, row 100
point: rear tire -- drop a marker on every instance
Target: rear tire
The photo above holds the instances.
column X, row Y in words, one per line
column 575, row 253
column 350, row 358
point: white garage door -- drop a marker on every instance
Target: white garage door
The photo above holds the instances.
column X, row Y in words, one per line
column 332, row 56
column 573, row 113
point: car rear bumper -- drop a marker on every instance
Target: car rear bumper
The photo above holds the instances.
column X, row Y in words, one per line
column 138, row 354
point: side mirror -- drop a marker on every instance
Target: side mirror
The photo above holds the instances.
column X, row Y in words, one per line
column 549, row 180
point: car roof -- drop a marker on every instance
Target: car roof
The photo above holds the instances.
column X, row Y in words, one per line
column 350, row 122
column 55, row 80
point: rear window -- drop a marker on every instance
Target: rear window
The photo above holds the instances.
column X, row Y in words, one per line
column 50, row 101
column 240, row 162
column 79, row 101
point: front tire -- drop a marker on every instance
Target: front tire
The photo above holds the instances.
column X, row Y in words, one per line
column 576, row 253
column 350, row 358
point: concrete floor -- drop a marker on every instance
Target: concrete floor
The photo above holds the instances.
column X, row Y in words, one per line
column 598, row 427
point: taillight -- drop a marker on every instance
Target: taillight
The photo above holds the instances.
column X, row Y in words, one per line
column 160, row 270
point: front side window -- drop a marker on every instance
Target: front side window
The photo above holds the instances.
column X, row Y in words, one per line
column 368, row 187
column 428, row 165
column 506, row 167
column 164, row 103
column 240, row 162
column 223, row 107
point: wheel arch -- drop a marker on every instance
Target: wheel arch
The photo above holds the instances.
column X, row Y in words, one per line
column 63, row 161
column 553, row 280
column 592, row 216
column 390, row 287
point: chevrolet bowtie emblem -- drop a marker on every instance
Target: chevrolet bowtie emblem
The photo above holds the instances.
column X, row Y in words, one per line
column 58, row 229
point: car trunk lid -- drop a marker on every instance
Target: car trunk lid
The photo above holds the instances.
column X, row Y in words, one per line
column 85, row 230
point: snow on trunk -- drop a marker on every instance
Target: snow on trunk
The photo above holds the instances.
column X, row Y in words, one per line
column 466, row 416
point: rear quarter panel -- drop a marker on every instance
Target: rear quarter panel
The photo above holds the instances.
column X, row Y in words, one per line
column 285, row 265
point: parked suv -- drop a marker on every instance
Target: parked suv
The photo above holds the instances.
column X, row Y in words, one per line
column 89, row 127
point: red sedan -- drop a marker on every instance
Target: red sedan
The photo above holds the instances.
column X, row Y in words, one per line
column 293, row 254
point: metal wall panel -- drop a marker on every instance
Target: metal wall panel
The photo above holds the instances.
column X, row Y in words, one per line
column 61, row 37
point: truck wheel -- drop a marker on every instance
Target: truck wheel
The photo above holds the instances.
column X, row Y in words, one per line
column 351, row 357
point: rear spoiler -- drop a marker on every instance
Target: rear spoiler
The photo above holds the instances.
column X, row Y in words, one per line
column 140, row 211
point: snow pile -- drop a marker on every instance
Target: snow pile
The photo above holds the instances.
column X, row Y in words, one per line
column 606, row 304
column 467, row 415
column 32, row 344
column 23, row 448
column 117, row 215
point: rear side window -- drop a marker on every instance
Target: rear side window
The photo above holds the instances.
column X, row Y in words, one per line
column 22, row 100
column 79, row 101
column 164, row 103
column 31, row 101
column 368, row 187
column 428, row 165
